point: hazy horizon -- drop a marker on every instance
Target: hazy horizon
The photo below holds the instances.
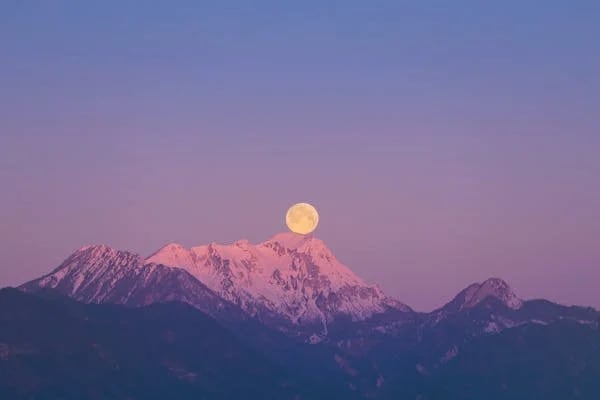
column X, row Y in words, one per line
column 442, row 144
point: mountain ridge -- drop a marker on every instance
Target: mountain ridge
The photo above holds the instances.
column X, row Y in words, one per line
column 291, row 282
column 102, row 274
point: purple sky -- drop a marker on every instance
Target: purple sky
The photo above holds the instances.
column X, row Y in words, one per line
column 442, row 144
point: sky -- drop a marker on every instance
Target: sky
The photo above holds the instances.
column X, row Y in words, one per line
column 442, row 142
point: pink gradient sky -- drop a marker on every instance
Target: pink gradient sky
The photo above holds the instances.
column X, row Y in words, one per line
column 441, row 145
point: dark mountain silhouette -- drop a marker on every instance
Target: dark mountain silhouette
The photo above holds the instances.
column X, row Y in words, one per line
column 55, row 348
column 52, row 347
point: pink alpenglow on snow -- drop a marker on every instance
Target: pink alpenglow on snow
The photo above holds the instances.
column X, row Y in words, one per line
column 291, row 275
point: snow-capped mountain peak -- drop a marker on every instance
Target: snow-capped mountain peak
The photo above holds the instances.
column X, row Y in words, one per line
column 101, row 274
column 492, row 287
column 290, row 275
column 171, row 254
column 85, row 267
column 100, row 251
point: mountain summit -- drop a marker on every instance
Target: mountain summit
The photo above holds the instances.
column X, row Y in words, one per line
column 292, row 276
column 478, row 292
column 101, row 274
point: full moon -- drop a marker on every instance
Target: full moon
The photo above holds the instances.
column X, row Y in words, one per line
column 302, row 218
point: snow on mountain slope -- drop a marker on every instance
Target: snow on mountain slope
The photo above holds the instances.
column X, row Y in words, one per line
column 475, row 294
column 100, row 274
column 290, row 275
column 492, row 287
column 91, row 272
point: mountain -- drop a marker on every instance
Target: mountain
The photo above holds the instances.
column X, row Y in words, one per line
column 476, row 347
column 290, row 275
column 100, row 274
column 55, row 348
column 557, row 361
column 291, row 281
column 270, row 299
column 361, row 340
column 477, row 292
column 52, row 347
column 493, row 306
